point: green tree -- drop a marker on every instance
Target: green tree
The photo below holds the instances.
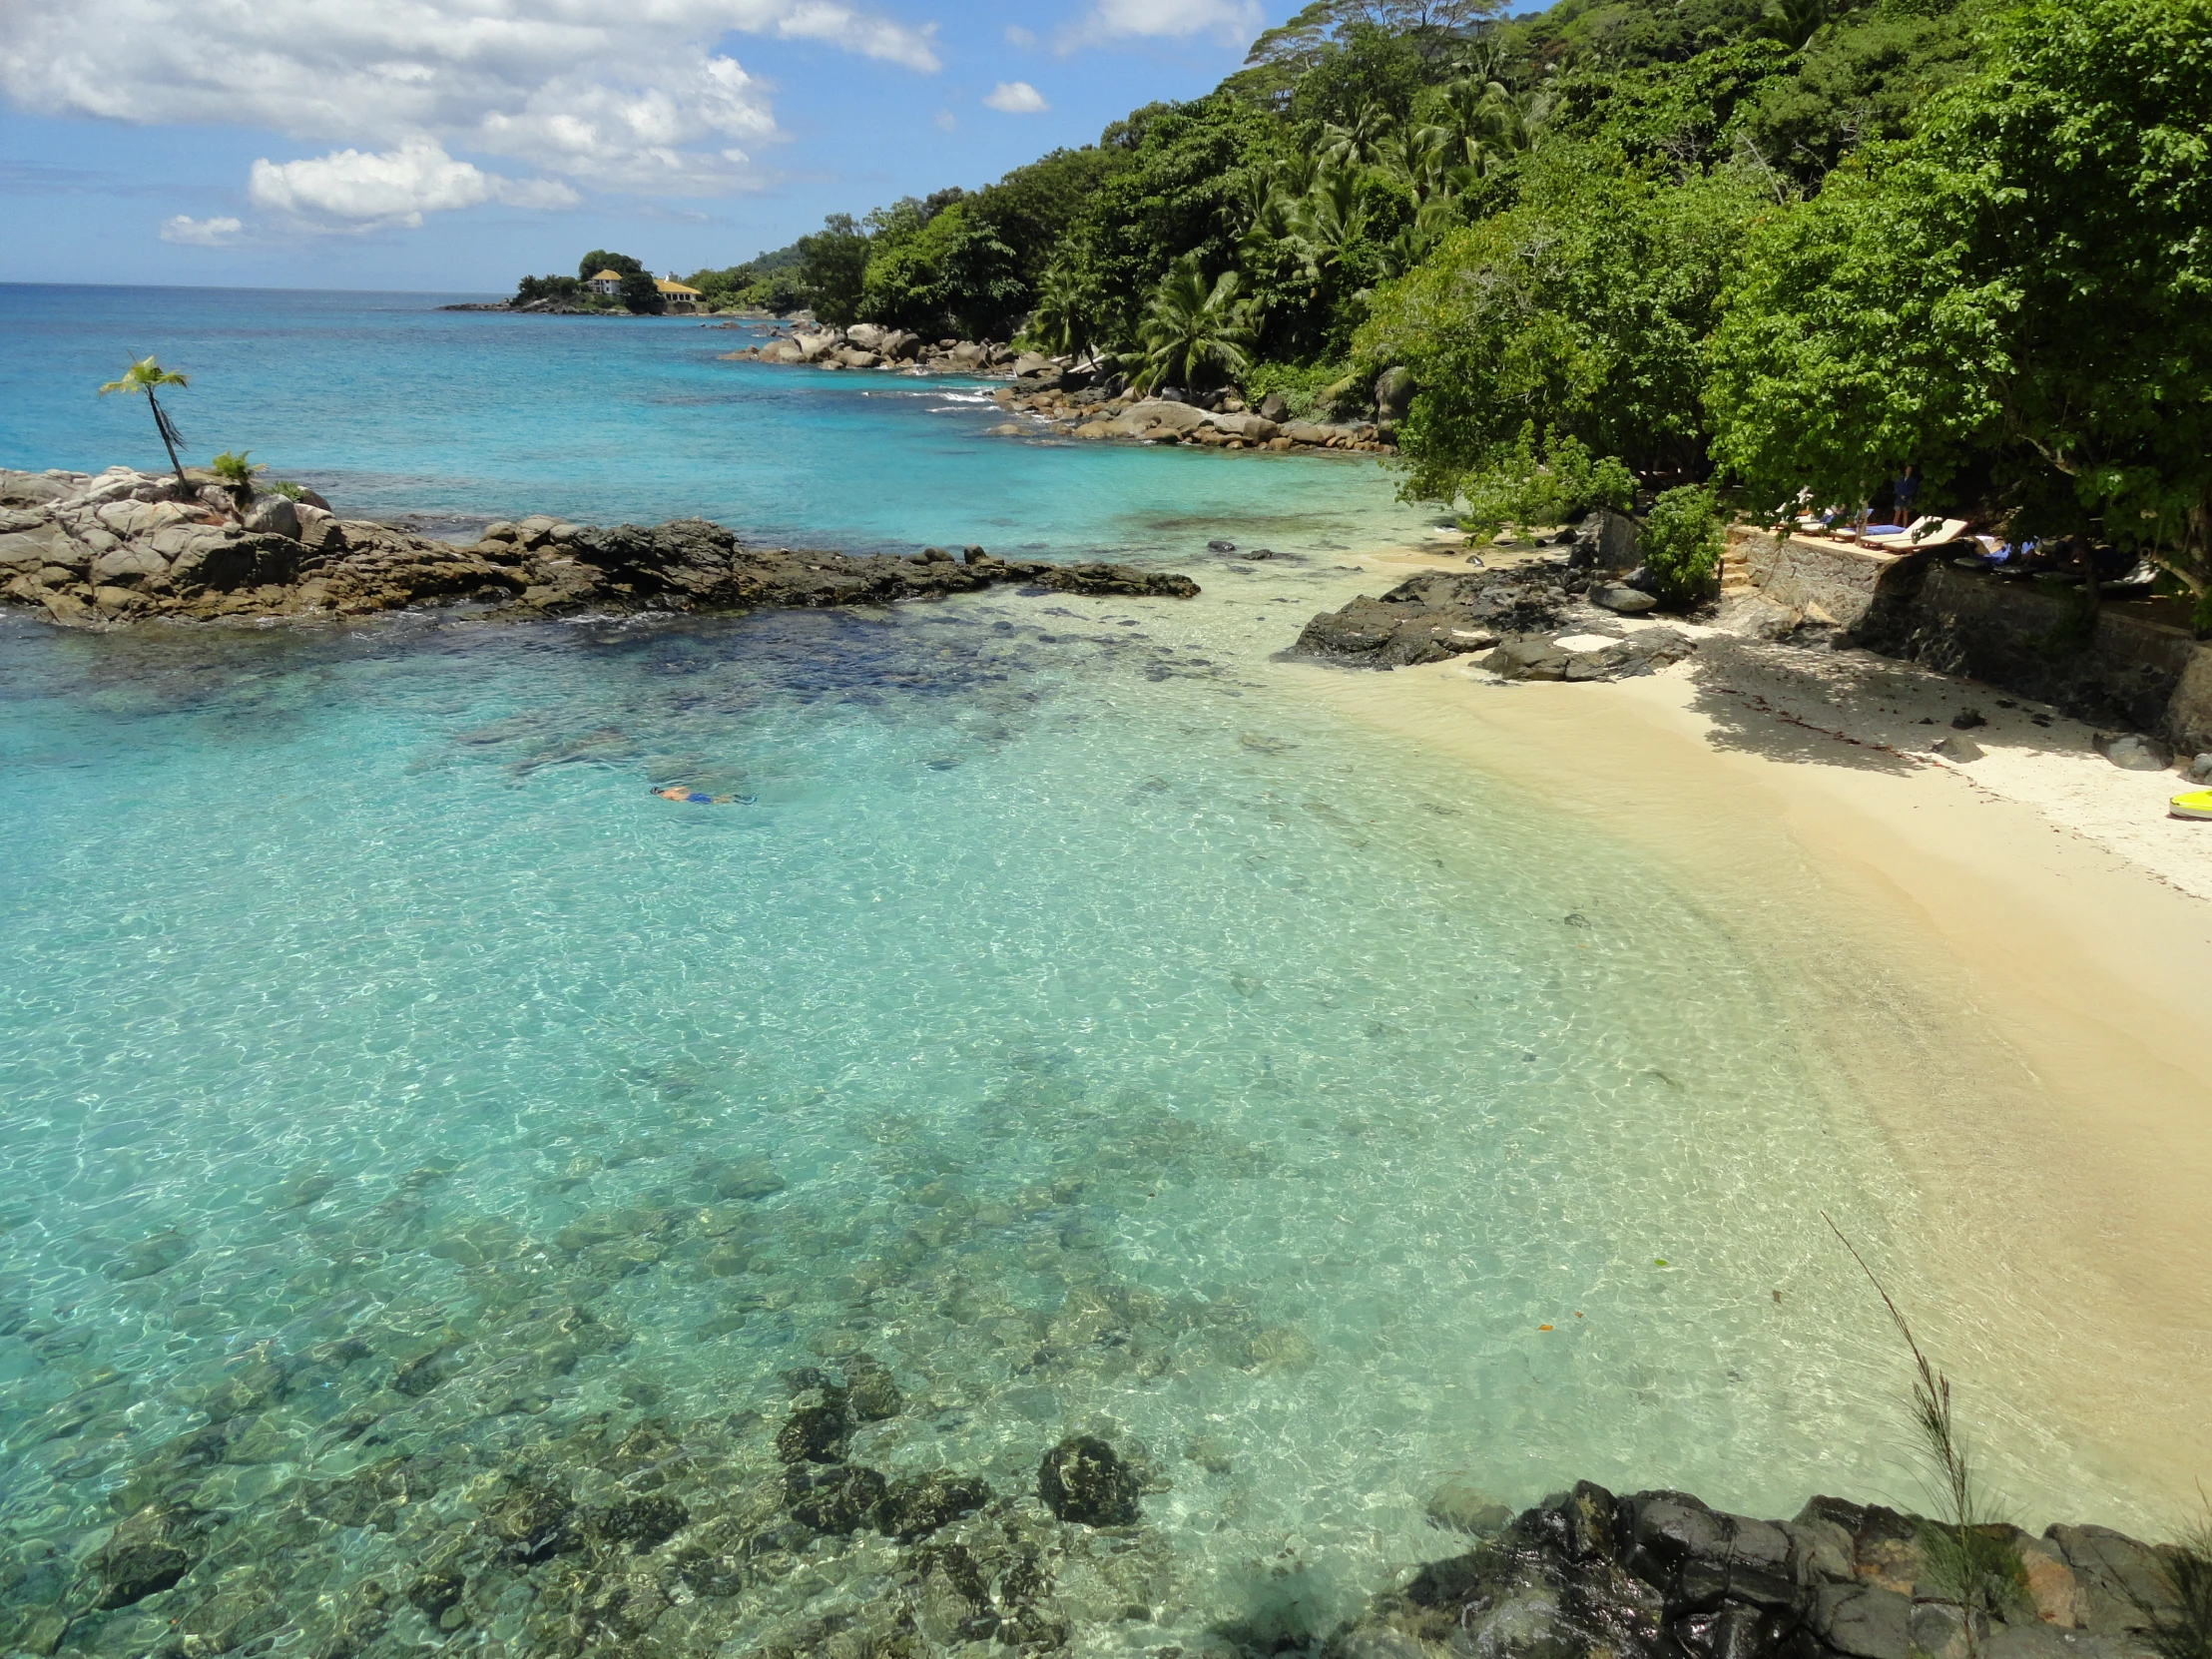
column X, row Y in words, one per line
column 1194, row 335
column 1584, row 309
column 2024, row 287
column 1181, row 189
column 641, row 293
column 953, row 272
column 832, row 269
column 144, row 376
column 1682, row 541
column 547, row 288
column 598, row 260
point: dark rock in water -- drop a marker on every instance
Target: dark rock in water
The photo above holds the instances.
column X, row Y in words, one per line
column 149, row 1551
column 534, row 1521
column 840, row 1499
column 641, row 1522
column 919, row 1504
column 751, row 1176
column 1084, row 1479
column 435, row 1591
column 815, row 1431
column 1218, row 546
column 869, row 1390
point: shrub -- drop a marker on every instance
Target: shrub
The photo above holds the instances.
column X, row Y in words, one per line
column 235, row 470
column 1521, row 487
column 1681, row 542
column 1300, row 383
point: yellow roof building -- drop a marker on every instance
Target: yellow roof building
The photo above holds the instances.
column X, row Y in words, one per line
column 676, row 291
column 608, row 277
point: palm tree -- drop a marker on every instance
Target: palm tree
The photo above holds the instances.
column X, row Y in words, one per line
column 1331, row 219
column 1191, row 333
column 1065, row 307
column 1793, row 22
column 144, row 376
column 1415, row 156
column 1354, row 141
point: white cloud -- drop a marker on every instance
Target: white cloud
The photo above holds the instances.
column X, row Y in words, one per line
column 1017, row 35
column 627, row 96
column 947, row 120
column 1232, row 22
column 361, row 190
column 200, row 232
column 1016, row 98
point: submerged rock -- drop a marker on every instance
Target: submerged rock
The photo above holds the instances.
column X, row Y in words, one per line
column 869, row 1390
column 1084, row 1479
column 919, row 1504
column 815, row 1429
column 840, row 1498
column 149, row 1551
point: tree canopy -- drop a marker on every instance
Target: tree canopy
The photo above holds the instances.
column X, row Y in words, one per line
column 1764, row 246
column 2020, row 288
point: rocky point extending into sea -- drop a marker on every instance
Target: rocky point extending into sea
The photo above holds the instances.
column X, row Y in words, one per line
column 1076, row 396
column 125, row 546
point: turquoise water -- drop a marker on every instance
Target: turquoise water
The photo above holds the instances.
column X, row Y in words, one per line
column 402, row 1101
column 390, row 405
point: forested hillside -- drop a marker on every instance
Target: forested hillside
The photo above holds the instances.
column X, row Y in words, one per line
column 1766, row 244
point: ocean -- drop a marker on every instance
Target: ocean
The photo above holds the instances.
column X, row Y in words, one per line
column 1065, row 1022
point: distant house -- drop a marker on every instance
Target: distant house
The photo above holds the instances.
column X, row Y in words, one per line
column 678, row 296
column 608, row 282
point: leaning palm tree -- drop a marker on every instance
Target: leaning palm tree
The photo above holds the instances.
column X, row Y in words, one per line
column 143, row 376
column 1192, row 334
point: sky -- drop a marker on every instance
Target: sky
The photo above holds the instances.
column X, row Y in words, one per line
column 453, row 145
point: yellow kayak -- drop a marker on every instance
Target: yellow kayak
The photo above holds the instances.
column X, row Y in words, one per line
column 2191, row 803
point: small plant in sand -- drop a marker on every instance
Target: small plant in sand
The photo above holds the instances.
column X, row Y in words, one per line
column 1971, row 1557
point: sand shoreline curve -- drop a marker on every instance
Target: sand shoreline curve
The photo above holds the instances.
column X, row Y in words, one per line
column 2020, row 997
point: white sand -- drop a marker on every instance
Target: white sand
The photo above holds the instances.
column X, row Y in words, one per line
column 2011, row 964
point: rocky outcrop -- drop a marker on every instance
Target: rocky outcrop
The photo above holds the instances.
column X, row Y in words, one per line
column 1545, row 619
column 127, row 546
column 1094, row 415
column 1659, row 1575
column 868, row 345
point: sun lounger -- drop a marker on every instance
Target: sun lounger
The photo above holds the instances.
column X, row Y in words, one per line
column 1927, row 532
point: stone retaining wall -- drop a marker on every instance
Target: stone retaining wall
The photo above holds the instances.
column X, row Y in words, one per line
column 2130, row 671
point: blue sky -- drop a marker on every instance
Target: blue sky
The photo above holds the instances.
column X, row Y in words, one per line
column 455, row 144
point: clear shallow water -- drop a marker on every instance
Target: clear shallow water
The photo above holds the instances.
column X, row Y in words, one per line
column 401, row 1100
column 390, row 405
column 1137, row 1052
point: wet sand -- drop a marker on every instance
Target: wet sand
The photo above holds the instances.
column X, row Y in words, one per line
column 2020, row 1007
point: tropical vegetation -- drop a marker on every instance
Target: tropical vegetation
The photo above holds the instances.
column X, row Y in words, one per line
column 1773, row 251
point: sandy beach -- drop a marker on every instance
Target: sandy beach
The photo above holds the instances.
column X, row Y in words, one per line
column 2009, row 963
